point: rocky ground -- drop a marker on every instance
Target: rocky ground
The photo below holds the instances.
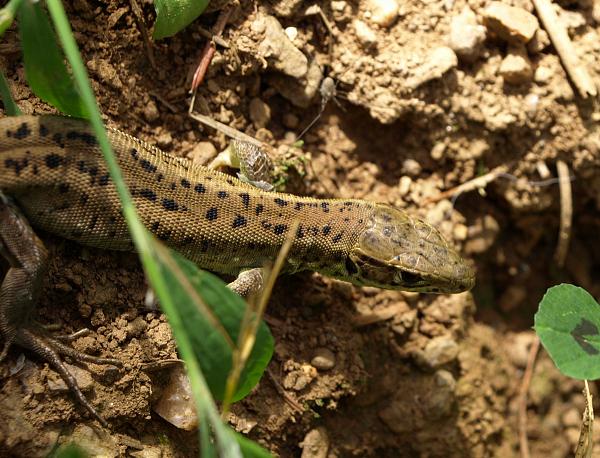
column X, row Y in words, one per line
column 426, row 95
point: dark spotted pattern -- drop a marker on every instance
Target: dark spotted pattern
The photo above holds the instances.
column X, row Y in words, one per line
column 43, row 130
column 170, row 205
column 53, row 161
column 325, row 207
column 16, row 164
column 280, row 229
column 148, row 194
column 63, row 188
column 155, row 225
column 222, row 194
column 245, row 199
column 103, row 180
column 148, row 166
column 199, row 188
column 185, row 183
column 134, row 154
column 326, row 230
column 57, row 137
column 85, row 137
column 212, row 214
column 280, row 202
column 337, row 238
column 22, row 132
column 259, row 209
column 239, row 221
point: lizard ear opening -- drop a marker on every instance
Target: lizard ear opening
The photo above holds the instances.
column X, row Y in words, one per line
column 351, row 267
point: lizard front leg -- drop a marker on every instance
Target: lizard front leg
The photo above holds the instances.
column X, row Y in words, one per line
column 19, row 293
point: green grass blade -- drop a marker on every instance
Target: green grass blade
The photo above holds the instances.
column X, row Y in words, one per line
column 174, row 15
column 190, row 287
column 10, row 106
column 568, row 324
column 45, row 70
column 7, row 14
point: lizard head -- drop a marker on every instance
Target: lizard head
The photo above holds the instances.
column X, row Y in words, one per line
column 397, row 251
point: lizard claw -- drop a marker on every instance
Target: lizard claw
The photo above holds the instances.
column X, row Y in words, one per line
column 52, row 350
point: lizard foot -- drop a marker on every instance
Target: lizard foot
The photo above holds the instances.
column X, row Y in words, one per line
column 52, row 350
column 19, row 293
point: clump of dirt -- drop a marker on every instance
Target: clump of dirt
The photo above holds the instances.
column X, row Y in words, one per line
column 427, row 96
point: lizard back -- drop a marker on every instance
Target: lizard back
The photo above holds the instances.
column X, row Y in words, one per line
column 54, row 169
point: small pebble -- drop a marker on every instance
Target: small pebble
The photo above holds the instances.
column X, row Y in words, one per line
column 339, row 5
column 202, row 153
column 291, row 33
column 383, row 12
column 437, row 152
column 411, row 167
column 517, row 348
column 151, row 113
column 438, row 351
column 466, row 35
column 405, row 184
column 136, row 327
column 460, row 232
column 516, row 67
column 164, row 140
column 511, row 23
column 176, row 403
column 571, row 417
column 315, row 444
column 539, row 42
column 260, row 113
column 82, row 376
column 324, row 359
column 365, row 35
column 542, row 75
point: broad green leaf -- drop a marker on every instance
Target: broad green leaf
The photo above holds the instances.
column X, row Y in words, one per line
column 174, row 15
column 45, row 69
column 70, row 450
column 250, row 449
column 10, row 106
column 213, row 351
column 568, row 324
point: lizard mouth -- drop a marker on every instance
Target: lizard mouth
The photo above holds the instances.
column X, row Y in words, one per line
column 365, row 270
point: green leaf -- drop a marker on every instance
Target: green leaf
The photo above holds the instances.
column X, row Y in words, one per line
column 568, row 324
column 70, row 450
column 10, row 106
column 174, row 15
column 213, row 350
column 249, row 448
column 45, row 69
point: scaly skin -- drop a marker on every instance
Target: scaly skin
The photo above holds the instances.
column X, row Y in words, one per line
column 53, row 169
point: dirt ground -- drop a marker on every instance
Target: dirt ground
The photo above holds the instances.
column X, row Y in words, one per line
column 424, row 102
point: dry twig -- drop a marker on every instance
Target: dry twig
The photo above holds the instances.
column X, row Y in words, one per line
column 229, row 131
column 141, row 25
column 523, row 443
column 566, row 213
column 566, row 51
column 585, row 444
column 476, row 183
column 209, row 49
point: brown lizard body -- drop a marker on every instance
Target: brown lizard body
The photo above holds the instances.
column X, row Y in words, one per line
column 52, row 167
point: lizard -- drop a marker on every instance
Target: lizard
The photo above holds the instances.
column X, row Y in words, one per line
column 53, row 177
